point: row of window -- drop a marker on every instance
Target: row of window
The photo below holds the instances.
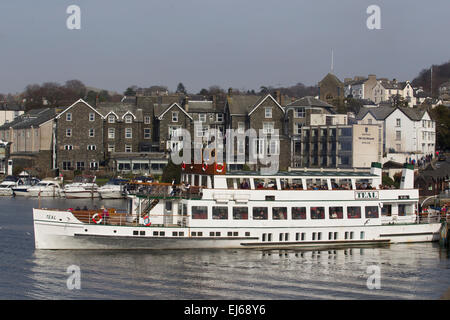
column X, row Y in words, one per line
column 302, row 236
column 79, row 165
column 111, row 118
column 193, row 233
column 128, row 133
column 112, row 133
column 90, row 147
column 281, row 213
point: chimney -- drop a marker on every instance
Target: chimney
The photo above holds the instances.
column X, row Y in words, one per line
column 372, row 77
column 186, row 103
column 277, row 95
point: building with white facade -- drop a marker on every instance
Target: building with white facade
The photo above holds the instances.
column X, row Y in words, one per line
column 408, row 133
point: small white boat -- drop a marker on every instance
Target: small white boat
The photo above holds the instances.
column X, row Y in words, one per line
column 7, row 184
column 113, row 189
column 23, row 184
column 82, row 187
column 45, row 188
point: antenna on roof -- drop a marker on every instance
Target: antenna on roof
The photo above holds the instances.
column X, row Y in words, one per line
column 332, row 60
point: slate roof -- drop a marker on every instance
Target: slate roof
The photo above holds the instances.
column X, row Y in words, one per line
column 381, row 113
column 120, row 109
column 33, row 118
column 241, row 104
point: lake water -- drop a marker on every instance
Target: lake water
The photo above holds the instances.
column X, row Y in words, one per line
column 407, row 271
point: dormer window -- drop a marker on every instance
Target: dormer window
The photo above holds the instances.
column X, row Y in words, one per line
column 202, row 117
column 91, row 116
column 128, row 119
column 68, row 116
column 268, row 112
column 174, row 116
column 111, row 119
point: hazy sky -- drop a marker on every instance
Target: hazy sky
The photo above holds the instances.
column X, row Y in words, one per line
column 240, row 43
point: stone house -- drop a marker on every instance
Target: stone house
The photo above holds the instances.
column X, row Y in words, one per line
column 331, row 89
column 79, row 136
column 266, row 116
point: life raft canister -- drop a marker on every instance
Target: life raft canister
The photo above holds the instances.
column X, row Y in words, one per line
column 97, row 216
column 219, row 167
column 147, row 221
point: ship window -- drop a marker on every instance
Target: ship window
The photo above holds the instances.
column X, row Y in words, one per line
column 281, row 237
column 319, row 235
column 199, row 212
column 372, row 212
column 135, row 233
column 353, row 212
column 142, row 233
column 362, row 235
column 335, row 236
column 269, row 237
column 260, row 213
column 174, row 234
column 402, row 209
column 194, row 233
column 317, row 213
column 386, row 210
column 303, row 236
column 264, row 237
column 313, row 236
column 298, row 213
column 286, row 237
column 181, row 233
column 270, row 198
column 235, row 234
column 330, row 235
column 279, row 213
column 351, row 235
column 336, row 212
column 240, row 213
column 211, row 234
column 162, row 233
column 220, row 213
column 155, row 233
column 247, row 234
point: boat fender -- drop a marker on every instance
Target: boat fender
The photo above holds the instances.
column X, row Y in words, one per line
column 147, row 221
column 97, row 216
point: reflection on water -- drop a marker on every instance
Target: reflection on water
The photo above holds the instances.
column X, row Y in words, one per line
column 409, row 271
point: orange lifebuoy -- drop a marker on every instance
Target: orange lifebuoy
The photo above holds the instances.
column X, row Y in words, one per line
column 219, row 170
column 97, row 221
column 147, row 221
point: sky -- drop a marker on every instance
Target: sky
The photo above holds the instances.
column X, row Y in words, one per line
column 244, row 44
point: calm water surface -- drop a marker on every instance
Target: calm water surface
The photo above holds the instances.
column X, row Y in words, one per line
column 410, row 271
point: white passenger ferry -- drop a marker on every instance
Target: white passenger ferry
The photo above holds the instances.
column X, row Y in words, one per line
column 213, row 208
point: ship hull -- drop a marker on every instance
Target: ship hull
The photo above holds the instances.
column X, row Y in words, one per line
column 61, row 230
